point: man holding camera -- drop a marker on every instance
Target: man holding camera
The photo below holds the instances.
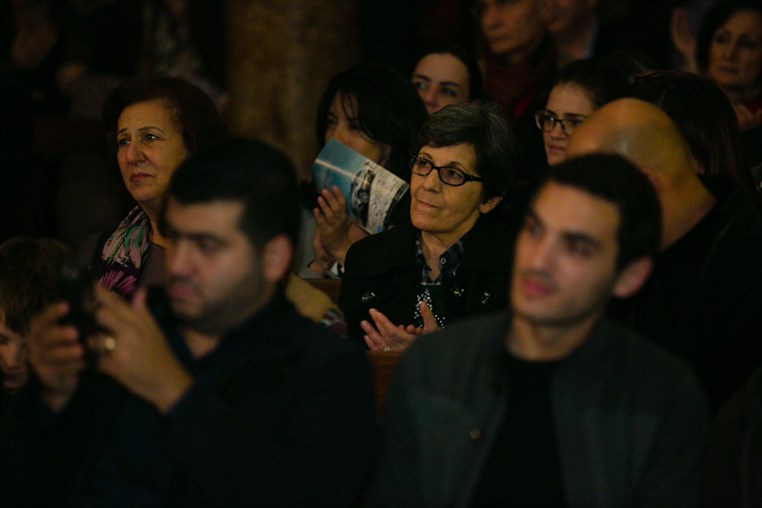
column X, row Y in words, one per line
column 217, row 393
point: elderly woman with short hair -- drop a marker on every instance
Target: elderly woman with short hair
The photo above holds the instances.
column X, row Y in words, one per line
column 452, row 260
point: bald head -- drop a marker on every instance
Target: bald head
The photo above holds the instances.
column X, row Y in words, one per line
column 646, row 136
column 638, row 131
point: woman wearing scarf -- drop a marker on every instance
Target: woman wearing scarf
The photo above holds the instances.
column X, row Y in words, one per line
column 153, row 124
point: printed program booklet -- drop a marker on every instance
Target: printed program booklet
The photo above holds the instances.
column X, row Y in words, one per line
column 370, row 190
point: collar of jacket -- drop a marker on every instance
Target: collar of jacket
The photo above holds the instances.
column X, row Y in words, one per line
column 488, row 247
column 264, row 331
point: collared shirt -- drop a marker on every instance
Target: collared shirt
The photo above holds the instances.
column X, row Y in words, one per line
column 449, row 262
column 431, row 292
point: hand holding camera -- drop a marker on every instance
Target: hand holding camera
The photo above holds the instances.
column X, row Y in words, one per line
column 58, row 336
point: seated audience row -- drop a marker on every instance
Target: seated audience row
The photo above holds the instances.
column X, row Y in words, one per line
column 221, row 353
column 212, row 392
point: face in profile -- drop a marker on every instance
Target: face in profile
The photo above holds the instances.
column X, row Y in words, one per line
column 567, row 107
column 441, row 79
column 150, row 148
column 565, row 261
column 13, row 364
column 512, row 28
column 735, row 53
column 446, row 211
column 343, row 125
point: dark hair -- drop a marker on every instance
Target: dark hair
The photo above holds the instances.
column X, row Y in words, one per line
column 466, row 58
column 614, row 179
column 193, row 111
column 702, row 113
column 247, row 171
column 388, row 109
column 715, row 17
column 483, row 127
column 29, row 270
column 603, row 80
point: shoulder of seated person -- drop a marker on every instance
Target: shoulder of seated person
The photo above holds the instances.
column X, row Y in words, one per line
column 377, row 253
column 309, row 301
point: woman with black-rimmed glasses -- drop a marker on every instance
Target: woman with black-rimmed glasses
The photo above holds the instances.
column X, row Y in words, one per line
column 453, row 259
column 577, row 90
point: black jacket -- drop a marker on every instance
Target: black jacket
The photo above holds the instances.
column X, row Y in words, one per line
column 733, row 472
column 381, row 273
column 703, row 299
column 289, row 421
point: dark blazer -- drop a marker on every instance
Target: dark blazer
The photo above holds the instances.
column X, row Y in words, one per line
column 733, row 472
column 286, row 421
column 381, row 273
column 630, row 420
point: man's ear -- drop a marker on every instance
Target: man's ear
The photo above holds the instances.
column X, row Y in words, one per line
column 277, row 255
column 632, row 277
column 490, row 204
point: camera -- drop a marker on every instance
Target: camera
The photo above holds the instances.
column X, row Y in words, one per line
column 75, row 286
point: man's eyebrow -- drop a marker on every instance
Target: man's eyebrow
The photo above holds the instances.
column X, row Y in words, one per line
column 421, row 77
column 581, row 237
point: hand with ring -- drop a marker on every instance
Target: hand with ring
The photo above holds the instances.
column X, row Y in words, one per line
column 135, row 351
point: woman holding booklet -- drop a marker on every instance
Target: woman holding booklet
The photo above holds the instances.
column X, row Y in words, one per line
column 453, row 258
column 375, row 111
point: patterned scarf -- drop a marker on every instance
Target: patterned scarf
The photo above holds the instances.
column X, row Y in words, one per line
column 124, row 254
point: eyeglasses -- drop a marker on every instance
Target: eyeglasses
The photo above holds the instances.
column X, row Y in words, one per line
column 546, row 121
column 447, row 174
column 482, row 6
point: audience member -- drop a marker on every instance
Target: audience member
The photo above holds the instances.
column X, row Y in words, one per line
column 452, row 259
column 552, row 404
column 216, row 393
column 705, row 119
column 29, row 270
column 152, row 125
column 577, row 90
column 375, row 111
column 519, row 58
column 446, row 74
column 576, row 30
column 729, row 51
column 702, row 301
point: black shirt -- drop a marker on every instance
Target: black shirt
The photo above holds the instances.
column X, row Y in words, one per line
column 523, row 467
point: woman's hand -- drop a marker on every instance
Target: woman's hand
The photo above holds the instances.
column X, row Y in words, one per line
column 682, row 38
column 323, row 261
column 383, row 335
column 747, row 119
column 333, row 224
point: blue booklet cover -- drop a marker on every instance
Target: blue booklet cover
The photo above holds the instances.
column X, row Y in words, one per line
column 370, row 190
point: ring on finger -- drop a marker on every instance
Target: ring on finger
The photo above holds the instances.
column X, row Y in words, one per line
column 109, row 344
